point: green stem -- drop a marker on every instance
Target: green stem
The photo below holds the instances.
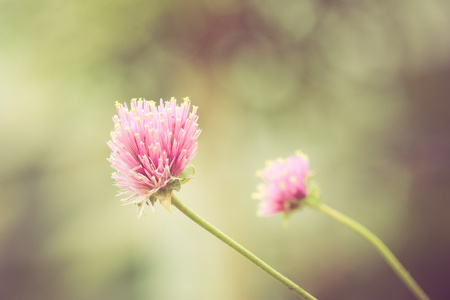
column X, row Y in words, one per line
column 250, row 256
column 387, row 254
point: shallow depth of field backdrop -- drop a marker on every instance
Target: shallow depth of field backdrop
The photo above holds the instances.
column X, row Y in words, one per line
column 363, row 87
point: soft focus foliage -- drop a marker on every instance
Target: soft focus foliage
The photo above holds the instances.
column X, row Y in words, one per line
column 361, row 86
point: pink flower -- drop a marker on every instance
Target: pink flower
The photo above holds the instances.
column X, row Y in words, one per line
column 284, row 185
column 151, row 146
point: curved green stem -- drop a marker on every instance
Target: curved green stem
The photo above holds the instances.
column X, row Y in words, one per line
column 250, row 256
column 387, row 254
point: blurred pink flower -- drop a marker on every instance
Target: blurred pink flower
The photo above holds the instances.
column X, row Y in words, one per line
column 284, row 185
column 151, row 146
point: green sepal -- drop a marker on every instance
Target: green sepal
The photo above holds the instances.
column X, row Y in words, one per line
column 153, row 200
column 164, row 196
column 313, row 198
column 174, row 184
column 187, row 174
column 166, row 201
column 286, row 216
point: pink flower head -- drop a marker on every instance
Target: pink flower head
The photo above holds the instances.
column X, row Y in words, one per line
column 284, row 185
column 151, row 146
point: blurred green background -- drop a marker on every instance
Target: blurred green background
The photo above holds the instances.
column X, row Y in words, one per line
column 363, row 87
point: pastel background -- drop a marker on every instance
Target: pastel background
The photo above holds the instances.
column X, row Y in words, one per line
column 363, row 87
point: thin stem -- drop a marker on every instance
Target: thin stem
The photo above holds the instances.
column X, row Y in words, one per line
column 387, row 254
column 227, row 240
